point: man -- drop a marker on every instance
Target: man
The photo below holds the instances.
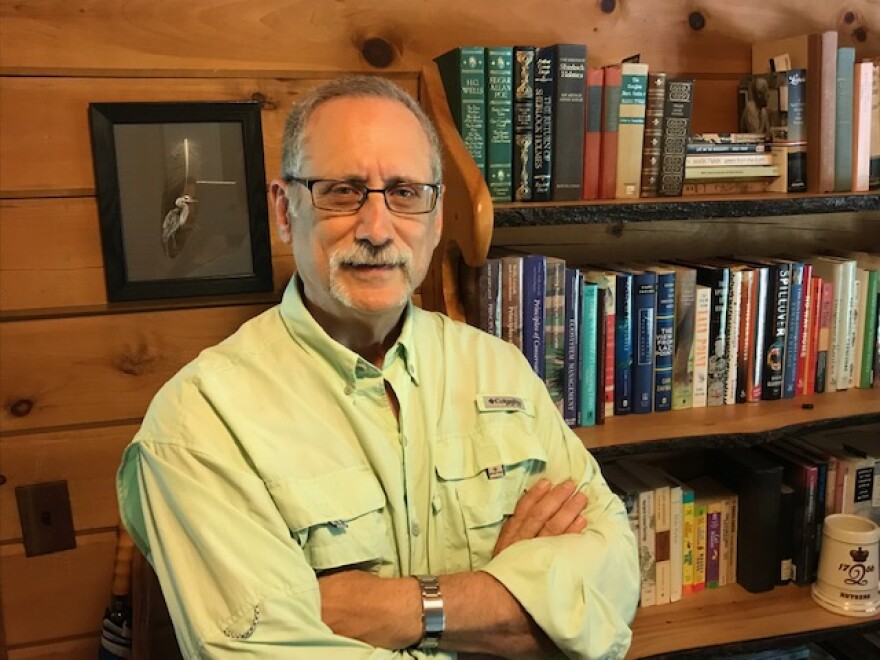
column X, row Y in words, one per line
column 289, row 483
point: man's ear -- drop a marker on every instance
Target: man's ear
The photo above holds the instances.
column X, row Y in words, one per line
column 280, row 204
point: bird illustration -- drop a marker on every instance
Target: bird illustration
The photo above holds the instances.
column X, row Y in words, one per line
column 174, row 223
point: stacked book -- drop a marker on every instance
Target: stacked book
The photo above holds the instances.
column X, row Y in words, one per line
column 729, row 163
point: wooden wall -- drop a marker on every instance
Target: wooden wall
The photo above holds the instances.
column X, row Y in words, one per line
column 76, row 373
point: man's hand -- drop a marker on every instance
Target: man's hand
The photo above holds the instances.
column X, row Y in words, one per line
column 544, row 511
column 385, row 613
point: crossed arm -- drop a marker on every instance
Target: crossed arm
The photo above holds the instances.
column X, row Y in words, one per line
column 482, row 616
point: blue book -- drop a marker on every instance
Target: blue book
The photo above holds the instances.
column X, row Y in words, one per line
column 589, row 363
column 665, row 338
column 623, row 344
column 643, row 327
column 843, row 130
column 793, row 329
column 571, row 400
column 533, row 293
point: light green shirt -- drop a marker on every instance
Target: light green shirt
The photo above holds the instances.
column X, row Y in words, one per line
column 276, row 455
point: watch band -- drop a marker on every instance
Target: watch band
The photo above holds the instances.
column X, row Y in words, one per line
column 433, row 616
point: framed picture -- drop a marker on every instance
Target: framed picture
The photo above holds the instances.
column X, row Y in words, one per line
column 182, row 198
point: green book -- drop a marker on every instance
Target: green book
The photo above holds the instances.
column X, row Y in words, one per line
column 867, row 365
column 499, row 123
column 463, row 73
column 843, row 133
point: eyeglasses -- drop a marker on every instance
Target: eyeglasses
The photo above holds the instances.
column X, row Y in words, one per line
column 349, row 196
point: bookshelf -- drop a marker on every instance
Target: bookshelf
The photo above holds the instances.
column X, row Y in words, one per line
column 730, row 617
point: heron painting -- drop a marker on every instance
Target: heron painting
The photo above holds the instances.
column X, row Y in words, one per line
column 180, row 220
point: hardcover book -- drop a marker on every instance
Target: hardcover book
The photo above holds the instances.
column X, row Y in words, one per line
column 533, row 297
column 463, row 73
column 607, row 282
column 702, row 316
column 843, row 127
column 683, row 352
column 545, row 111
column 589, row 362
column 653, row 133
column 511, row 300
column 676, row 126
column 568, row 124
column 573, row 285
column 643, row 328
column 523, row 122
column 593, row 131
column 610, row 126
column 631, row 130
column 499, row 122
column 554, row 330
column 665, row 337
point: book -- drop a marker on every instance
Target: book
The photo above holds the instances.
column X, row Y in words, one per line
column 757, row 481
column 683, row 351
column 604, row 327
column 741, row 137
column 533, row 297
column 726, row 148
column 803, row 356
column 523, row 122
column 644, row 304
column 775, row 327
column 707, row 496
column 726, row 187
column 785, row 536
column 554, row 330
column 793, row 328
column 822, row 110
column 700, row 547
column 462, row 71
column 610, row 126
column 746, row 349
column 843, row 127
column 481, row 295
column 823, row 340
column 511, row 299
column 589, row 355
column 572, row 365
column 568, row 123
column 607, row 282
column 631, row 130
column 729, row 172
column 664, row 345
column 728, row 160
column 623, row 344
column 676, row 126
column 499, row 122
column 593, row 131
column 702, row 311
column 874, row 170
column 651, row 145
column 545, row 99
column 863, row 82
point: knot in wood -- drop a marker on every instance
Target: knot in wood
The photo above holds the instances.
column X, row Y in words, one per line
column 696, row 20
column 137, row 361
column 378, row 52
column 21, row 408
column 607, row 6
column 265, row 103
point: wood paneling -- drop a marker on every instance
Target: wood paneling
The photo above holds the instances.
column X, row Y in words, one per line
column 83, row 648
column 57, row 595
column 45, row 147
column 100, row 368
column 50, row 254
column 277, row 36
column 86, row 458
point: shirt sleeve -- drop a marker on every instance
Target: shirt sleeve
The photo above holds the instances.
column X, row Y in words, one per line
column 582, row 590
column 235, row 582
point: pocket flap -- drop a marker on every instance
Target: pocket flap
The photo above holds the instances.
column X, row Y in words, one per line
column 462, row 458
column 342, row 495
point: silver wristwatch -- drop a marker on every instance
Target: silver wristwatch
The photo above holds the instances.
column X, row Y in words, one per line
column 433, row 616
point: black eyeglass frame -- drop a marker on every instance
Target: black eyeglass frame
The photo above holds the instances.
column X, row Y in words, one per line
column 309, row 184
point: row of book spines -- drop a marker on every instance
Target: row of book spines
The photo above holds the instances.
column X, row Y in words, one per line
column 651, row 350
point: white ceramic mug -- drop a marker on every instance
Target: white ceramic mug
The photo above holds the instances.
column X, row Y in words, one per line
column 847, row 579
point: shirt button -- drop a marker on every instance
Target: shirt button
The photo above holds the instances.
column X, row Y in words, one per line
column 349, row 390
column 415, row 529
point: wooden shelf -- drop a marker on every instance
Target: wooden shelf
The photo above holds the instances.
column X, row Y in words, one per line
column 732, row 615
column 681, row 208
column 724, row 425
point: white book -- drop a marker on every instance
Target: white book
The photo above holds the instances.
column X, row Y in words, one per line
column 676, row 540
column 841, row 273
column 702, row 308
column 733, row 320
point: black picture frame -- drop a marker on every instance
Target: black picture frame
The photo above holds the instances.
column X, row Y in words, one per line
column 181, row 190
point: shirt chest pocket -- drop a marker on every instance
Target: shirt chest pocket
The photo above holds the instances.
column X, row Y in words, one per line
column 337, row 518
column 485, row 473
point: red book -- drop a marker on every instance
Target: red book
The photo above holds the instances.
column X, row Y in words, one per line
column 813, row 348
column 804, row 340
column 610, row 126
column 593, row 131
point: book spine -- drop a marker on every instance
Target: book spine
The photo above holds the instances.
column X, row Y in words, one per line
column 706, row 160
column 523, row 122
column 746, row 348
column 665, row 342
column 743, row 172
column 676, row 125
column 756, row 360
column 653, row 134
column 554, row 330
column 863, row 75
column 687, row 542
column 676, row 541
column 623, row 346
column 803, row 355
column 732, row 534
column 602, row 304
column 511, row 300
column 826, row 315
column 713, row 544
column 796, row 123
column 727, row 138
column 683, row 353
column 843, row 131
column 718, row 279
column 644, row 306
column 813, row 348
column 703, row 313
column 610, row 315
column 700, row 549
column 610, row 127
column 697, row 148
column 774, row 341
column 588, row 354
column 663, row 544
column 593, row 131
column 631, row 131
column 499, row 122
column 568, row 124
column 545, row 86
column 728, row 187
column 647, row 548
column 874, row 172
column 734, row 300
column 462, row 72
column 821, row 108
column 792, row 330
column 533, row 292
column 867, row 366
column 572, row 345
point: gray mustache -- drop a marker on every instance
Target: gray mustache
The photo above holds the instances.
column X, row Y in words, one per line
column 370, row 255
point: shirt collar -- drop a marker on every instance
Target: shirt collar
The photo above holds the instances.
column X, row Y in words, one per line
column 304, row 329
